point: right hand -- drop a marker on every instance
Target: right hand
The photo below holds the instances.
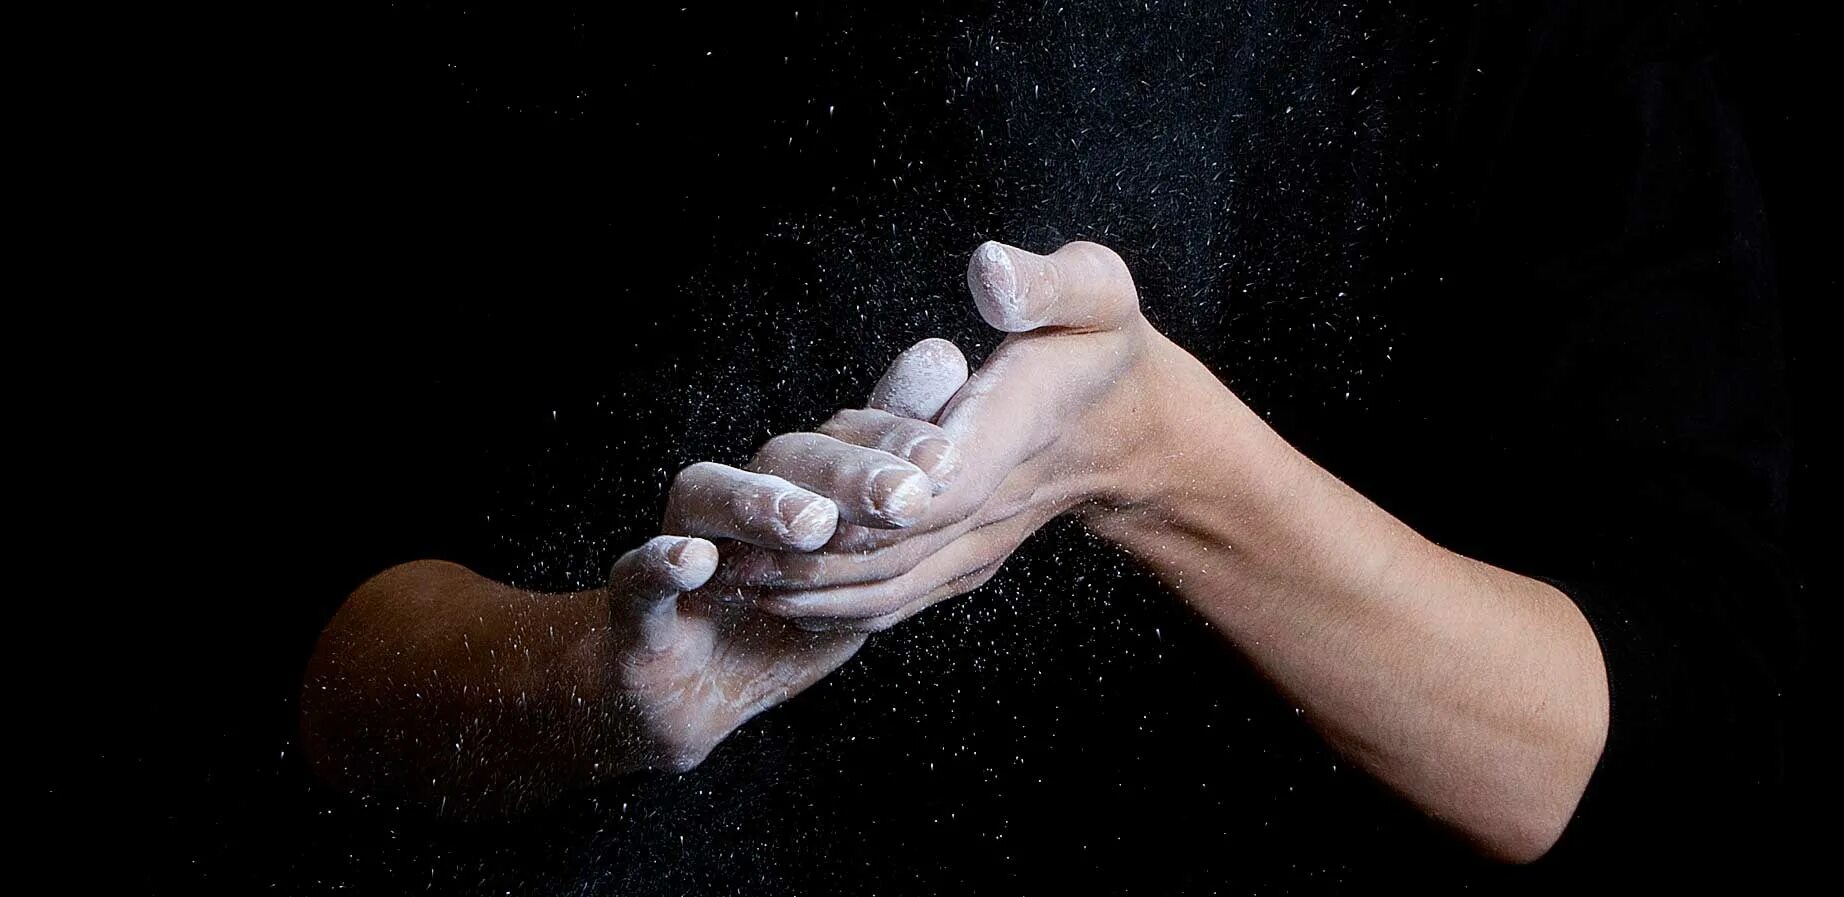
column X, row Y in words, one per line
column 1066, row 414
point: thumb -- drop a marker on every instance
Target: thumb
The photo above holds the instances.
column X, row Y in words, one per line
column 1082, row 286
column 644, row 587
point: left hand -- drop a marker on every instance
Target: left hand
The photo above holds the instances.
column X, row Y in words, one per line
column 1058, row 417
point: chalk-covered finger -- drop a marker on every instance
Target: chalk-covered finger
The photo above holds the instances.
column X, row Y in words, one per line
column 877, row 600
column 717, row 501
column 918, row 442
column 955, row 587
column 781, row 570
column 1082, row 286
column 969, row 554
column 644, row 587
column 919, row 383
column 870, row 487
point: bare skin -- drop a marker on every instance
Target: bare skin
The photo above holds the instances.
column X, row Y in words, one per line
column 437, row 684
column 1477, row 694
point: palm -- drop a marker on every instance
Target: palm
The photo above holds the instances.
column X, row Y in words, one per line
column 727, row 664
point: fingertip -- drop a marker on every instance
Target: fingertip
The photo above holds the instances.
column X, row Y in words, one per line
column 806, row 520
column 940, row 353
column 647, row 575
column 900, row 497
column 692, row 561
column 937, row 457
column 919, row 383
column 992, row 278
column 1082, row 285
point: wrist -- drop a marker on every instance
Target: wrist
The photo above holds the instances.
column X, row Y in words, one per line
column 1210, row 477
column 1168, row 429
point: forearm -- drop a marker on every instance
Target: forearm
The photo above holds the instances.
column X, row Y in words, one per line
column 1478, row 694
column 439, row 684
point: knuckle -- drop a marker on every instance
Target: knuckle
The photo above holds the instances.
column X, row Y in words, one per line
column 1096, row 251
column 745, row 505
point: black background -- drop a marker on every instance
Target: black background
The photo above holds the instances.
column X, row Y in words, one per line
column 473, row 280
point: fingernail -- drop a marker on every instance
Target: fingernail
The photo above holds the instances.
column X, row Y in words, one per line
column 937, row 458
column 676, row 554
column 898, row 496
column 992, row 277
column 692, row 562
column 807, row 520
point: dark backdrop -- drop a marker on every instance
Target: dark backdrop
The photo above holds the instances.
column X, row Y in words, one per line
column 473, row 280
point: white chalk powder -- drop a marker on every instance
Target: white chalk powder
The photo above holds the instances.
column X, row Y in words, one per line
column 920, row 381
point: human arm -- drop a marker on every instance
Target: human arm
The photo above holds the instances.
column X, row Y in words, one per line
column 1476, row 693
column 436, row 683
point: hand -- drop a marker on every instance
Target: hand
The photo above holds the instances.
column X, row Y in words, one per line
column 1478, row 694
column 694, row 664
column 437, row 683
column 687, row 669
column 1059, row 417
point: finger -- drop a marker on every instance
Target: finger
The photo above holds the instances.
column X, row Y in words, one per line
column 869, row 486
column 1001, row 478
column 959, row 586
column 755, row 567
column 1082, row 286
column 858, row 555
column 716, row 501
column 918, row 442
column 645, row 584
column 920, row 381
column 965, row 556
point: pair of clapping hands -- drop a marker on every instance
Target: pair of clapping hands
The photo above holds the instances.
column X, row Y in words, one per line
column 771, row 577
